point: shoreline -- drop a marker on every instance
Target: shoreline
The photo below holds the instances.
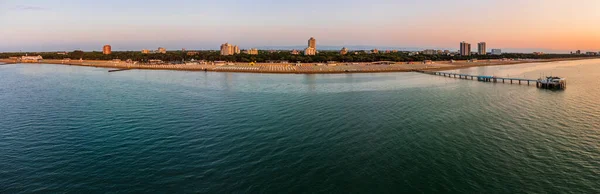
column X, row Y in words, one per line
column 303, row 68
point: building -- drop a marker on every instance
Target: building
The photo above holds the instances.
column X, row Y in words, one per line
column 192, row 53
column 312, row 47
column 481, row 48
column 465, row 48
column 578, row 52
column 310, row 51
column 161, row 50
column 229, row 49
column 496, row 52
column 428, row 52
column 155, row 62
column 30, row 59
column 538, row 53
column 251, row 51
column 236, row 49
column 375, row 51
column 312, row 43
column 294, row 52
column 107, row 50
column 145, row 51
column 591, row 53
column 344, row 51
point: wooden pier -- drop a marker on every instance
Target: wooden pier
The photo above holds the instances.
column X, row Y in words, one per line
column 547, row 83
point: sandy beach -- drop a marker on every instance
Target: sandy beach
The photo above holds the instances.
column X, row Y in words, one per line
column 300, row 68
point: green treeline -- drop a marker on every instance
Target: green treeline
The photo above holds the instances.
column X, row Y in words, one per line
column 265, row 56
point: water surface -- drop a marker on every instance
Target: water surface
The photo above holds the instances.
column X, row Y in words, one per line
column 80, row 129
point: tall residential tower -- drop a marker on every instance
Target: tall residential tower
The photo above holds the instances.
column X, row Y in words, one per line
column 465, row 48
column 312, row 47
column 312, row 43
column 481, row 48
column 107, row 50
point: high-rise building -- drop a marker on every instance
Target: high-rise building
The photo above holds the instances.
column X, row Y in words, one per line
column 578, row 52
column 228, row 49
column 107, row 50
column 465, row 48
column 312, row 43
column 236, row 49
column 481, row 48
column 312, row 47
column 496, row 52
column 344, row 51
column 161, row 50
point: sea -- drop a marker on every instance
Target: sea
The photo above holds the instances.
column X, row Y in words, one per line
column 69, row 129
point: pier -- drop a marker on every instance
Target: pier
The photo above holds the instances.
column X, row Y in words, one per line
column 544, row 83
column 116, row 70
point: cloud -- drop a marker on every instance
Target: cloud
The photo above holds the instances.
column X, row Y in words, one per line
column 29, row 8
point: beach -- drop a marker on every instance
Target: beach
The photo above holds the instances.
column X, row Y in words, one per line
column 299, row 68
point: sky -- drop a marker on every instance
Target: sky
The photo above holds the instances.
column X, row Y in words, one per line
column 511, row 25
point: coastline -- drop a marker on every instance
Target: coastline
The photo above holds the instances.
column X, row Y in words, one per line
column 303, row 68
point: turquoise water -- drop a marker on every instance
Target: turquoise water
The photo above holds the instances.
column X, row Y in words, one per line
column 78, row 129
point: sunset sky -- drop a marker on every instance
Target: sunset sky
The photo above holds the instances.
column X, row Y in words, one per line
column 513, row 25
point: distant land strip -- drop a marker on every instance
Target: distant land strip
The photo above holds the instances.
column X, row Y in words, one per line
column 298, row 68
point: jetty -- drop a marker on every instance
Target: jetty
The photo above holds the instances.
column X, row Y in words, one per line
column 116, row 70
column 544, row 83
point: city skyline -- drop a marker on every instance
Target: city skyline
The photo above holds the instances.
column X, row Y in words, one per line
column 552, row 26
